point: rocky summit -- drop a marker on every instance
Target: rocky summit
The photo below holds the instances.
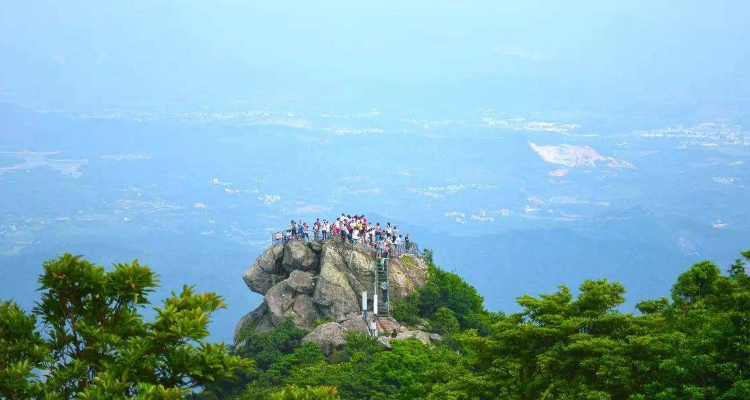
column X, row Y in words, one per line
column 319, row 285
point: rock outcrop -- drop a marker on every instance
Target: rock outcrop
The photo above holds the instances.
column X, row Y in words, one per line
column 321, row 281
column 329, row 337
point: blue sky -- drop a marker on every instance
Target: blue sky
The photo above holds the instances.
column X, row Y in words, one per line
column 615, row 55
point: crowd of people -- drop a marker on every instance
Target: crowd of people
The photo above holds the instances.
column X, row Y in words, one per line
column 355, row 229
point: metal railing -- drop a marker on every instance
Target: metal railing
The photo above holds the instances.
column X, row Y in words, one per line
column 411, row 249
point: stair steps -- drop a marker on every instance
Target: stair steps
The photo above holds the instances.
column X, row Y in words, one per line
column 387, row 325
column 381, row 287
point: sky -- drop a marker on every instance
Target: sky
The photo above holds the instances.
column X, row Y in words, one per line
column 485, row 117
column 528, row 55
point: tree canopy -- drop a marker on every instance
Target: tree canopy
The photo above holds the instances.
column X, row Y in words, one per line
column 693, row 345
column 87, row 339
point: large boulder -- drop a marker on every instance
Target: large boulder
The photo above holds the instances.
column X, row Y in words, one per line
column 285, row 303
column 259, row 281
column 298, row 255
column 333, row 294
column 407, row 274
column 257, row 320
column 266, row 271
column 301, row 281
column 360, row 268
column 356, row 324
column 329, row 337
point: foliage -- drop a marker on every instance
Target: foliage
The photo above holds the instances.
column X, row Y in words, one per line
column 444, row 321
column 408, row 371
column 693, row 345
column 406, row 309
column 94, row 344
column 446, row 289
column 22, row 349
column 306, row 393
column 267, row 347
column 444, row 294
column 696, row 347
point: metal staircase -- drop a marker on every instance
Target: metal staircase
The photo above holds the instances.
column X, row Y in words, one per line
column 382, row 286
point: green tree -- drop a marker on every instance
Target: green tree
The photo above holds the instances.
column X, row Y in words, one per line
column 446, row 289
column 306, row 393
column 406, row 309
column 98, row 345
column 22, row 350
column 695, row 347
column 267, row 347
column 444, row 321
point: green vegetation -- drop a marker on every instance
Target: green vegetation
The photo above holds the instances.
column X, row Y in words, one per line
column 307, row 393
column 93, row 343
column 444, row 298
column 319, row 322
column 693, row 345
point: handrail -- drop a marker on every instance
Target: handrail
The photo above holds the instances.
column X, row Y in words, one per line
column 284, row 237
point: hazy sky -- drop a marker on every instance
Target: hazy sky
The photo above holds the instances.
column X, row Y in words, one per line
column 92, row 55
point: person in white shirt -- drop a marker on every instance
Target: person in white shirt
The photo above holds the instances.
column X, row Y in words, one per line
column 324, row 229
column 355, row 236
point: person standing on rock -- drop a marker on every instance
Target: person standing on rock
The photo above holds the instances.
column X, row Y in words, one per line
column 407, row 243
column 301, row 231
column 316, row 229
column 324, row 229
column 293, row 228
column 378, row 232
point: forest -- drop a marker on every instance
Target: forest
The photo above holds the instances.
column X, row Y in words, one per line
column 87, row 339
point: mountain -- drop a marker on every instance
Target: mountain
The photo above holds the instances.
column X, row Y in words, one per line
column 318, row 285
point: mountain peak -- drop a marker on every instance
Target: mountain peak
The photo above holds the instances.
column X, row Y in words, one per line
column 323, row 282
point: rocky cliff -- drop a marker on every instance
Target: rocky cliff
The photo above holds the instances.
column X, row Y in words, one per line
column 321, row 281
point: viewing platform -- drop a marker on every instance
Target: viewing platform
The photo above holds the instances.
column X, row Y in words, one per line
column 284, row 237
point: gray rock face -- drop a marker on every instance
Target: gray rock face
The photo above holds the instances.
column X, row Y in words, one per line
column 385, row 341
column 306, row 282
column 334, row 295
column 356, row 324
column 329, row 337
column 422, row 336
column 257, row 320
column 285, row 303
column 266, row 271
column 303, row 282
column 298, row 255
column 259, row 281
column 316, row 246
column 407, row 274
